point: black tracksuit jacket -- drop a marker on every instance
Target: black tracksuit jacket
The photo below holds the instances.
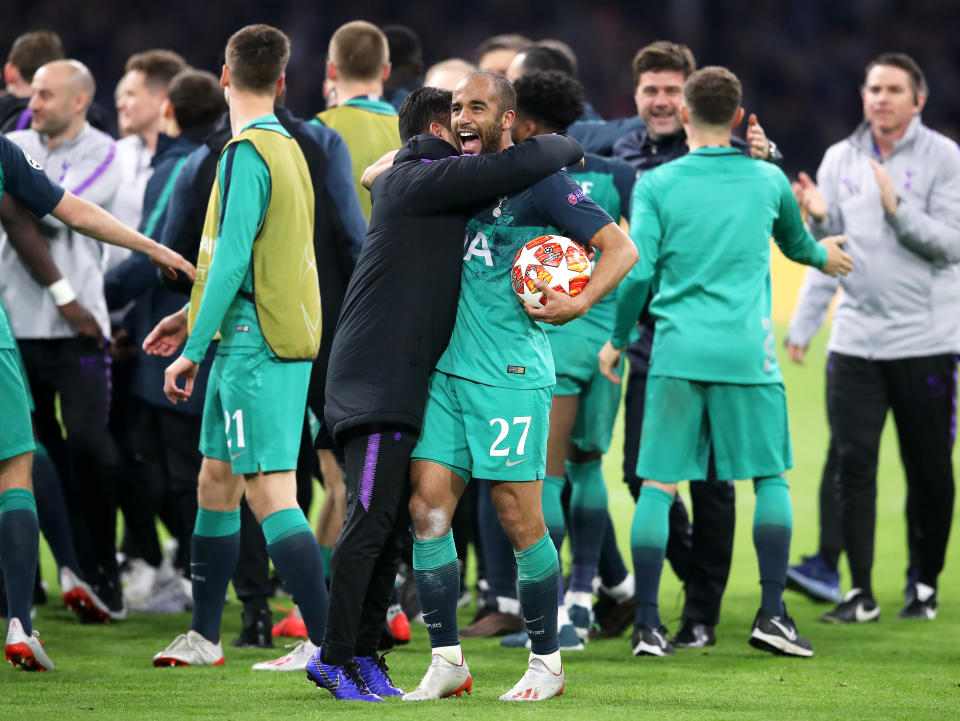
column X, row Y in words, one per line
column 401, row 302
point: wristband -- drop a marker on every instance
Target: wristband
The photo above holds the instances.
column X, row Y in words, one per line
column 62, row 292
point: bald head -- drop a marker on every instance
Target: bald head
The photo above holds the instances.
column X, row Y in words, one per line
column 72, row 75
column 62, row 93
column 447, row 73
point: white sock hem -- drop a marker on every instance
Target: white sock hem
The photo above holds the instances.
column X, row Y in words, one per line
column 450, row 654
column 623, row 590
column 551, row 661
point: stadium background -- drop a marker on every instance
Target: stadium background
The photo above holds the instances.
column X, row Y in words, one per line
column 801, row 63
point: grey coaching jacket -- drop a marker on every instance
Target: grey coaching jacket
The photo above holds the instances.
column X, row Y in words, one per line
column 902, row 298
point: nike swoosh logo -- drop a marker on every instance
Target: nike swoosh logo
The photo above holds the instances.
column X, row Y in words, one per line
column 513, row 463
column 427, row 613
column 790, row 633
column 326, row 679
column 863, row 615
column 234, row 456
column 534, row 620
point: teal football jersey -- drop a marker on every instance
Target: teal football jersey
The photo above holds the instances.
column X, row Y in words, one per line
column 494, row 341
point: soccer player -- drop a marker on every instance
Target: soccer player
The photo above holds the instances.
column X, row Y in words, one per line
column 486, row 414
column 584, row 404
column 270, row 334
column 701, row 557
column 702, row 224
column 358, row 64
column 25, row 180
column 394, row 326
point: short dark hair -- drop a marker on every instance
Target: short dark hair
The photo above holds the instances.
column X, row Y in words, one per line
column 713, row 95
column 506, row 95
column 359, row 50
column 422, row 107
column 550, row 97
column 663, row 55
column 562, row 47
column 158, row 66
column 918, row 82
column 543, row 57
column 196, row 97
column 406, row 50
column 257, row 57
column 33, row 50
column 507, row 41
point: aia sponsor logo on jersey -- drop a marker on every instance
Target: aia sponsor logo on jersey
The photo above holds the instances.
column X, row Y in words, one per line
column 576, row 196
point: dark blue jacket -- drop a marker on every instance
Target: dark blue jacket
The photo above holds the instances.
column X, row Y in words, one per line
column 137, row 279
column 597, row 135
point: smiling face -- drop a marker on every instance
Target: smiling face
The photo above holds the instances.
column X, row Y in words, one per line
column 55, row 101
column 889, row 100
column 659, row 95
column 476, row 118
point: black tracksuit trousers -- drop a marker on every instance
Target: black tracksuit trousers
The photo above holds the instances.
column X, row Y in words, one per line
column 922, row 393
column 367, row 551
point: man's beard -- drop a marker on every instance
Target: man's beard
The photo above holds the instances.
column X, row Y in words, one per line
column 490, row 138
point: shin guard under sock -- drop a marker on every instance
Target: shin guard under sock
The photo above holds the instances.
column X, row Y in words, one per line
column 772, row 528
column 648, row 544
column 436, row 572
column 213, row 558
column 538, row 569
column 19, row 547
column 588, row 517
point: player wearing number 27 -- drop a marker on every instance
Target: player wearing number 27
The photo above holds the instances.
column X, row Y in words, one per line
column 258, row 286
column 489, row 399
column 702, row 224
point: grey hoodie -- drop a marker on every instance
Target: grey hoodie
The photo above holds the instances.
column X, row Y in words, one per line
column 902, row 298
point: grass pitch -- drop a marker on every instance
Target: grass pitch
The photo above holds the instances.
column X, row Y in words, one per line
column 888, row 670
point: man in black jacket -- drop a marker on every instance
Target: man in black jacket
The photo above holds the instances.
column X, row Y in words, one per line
column 396, row 321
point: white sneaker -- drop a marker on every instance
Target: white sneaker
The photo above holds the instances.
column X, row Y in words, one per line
column 296, row 660
column 190, row 649
column 138, row 581
column 441, row 680
column 25, row 651
column 80, row 598
column 166, row 595
column 538, row 683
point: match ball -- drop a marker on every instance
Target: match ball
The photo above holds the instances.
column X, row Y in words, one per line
column 560, row 263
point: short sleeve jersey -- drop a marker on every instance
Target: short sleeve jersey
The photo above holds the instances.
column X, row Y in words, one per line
column 609, row 183
column 702, row 224
column 24, row 179
column 494, row 341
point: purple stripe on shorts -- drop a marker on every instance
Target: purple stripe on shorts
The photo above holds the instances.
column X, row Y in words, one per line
column 369, row 470
column 97, row 172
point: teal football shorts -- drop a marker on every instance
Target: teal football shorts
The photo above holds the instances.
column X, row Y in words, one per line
column 746, row 424
column 16, row 430
column 481, row 431
column 254, row 411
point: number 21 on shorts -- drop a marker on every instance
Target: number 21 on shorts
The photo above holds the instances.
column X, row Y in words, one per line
column 237, row 418
column 505, row 427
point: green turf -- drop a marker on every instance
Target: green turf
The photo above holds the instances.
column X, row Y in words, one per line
column 890, row 670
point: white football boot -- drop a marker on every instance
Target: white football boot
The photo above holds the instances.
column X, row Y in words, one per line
column 442, row 679
column 538, row 683
column 25, row 651
column 190, row 649
column 296, row 660
column 80, row 598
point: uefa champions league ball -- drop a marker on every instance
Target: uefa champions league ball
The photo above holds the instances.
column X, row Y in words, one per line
column 560, row 263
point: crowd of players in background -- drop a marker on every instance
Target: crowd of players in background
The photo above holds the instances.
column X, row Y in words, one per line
column 109, row 439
